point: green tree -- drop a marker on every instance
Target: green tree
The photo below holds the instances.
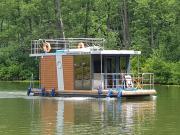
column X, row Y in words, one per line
column 149, row 26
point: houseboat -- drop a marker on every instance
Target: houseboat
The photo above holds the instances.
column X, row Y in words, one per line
column 83, row 67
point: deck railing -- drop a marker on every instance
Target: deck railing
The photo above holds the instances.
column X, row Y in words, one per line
column 66, row 44
column 128, row 80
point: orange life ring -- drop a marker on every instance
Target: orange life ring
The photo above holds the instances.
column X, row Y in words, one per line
column 46, row 47
column 80, row 45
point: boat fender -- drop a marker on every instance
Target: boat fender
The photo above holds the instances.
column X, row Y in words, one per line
column 53, row 92
column 43, row 93
column 119, row 94
column 99, row 90
column 109, row 94
column 46, row 47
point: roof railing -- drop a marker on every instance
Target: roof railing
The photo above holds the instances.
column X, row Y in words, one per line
column 66, row 44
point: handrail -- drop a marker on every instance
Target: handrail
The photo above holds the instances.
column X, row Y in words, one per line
column 66, row 44
column 140, row 81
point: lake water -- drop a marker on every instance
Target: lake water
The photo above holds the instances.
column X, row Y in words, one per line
column 23, row 115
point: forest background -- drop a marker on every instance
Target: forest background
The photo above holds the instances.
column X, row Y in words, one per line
column 151, row 26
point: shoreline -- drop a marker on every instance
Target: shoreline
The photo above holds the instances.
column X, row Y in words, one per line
column 37, row 81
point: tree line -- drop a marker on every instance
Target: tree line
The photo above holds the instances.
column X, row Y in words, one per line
column 151, row 26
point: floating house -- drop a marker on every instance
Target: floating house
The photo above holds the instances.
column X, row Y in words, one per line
column 82, row 66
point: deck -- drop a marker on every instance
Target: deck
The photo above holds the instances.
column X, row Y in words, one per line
column 94, row 93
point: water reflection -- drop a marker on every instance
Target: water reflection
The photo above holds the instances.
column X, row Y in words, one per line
column 96, row 116
column 138, row 114
column 23, row 115
column 48, row 116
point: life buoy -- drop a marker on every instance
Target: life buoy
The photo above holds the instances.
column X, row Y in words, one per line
column 46, row 47
column 80, row 45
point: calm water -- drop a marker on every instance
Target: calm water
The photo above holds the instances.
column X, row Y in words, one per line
column 22, row 115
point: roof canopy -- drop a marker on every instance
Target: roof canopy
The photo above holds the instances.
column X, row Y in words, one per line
column 115, row 52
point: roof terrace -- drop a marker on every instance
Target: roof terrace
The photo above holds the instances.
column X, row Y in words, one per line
column 66, row 45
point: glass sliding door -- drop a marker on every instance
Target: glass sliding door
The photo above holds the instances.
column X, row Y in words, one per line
column 124, row 64
column 109, row 70
column 82, row 74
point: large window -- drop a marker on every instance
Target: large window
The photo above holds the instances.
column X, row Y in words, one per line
column 97, row 63
column 82, row 72
column 124, row 64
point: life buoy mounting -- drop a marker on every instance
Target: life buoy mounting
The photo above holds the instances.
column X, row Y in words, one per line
column 46, row 47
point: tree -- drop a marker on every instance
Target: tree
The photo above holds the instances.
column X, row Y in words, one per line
column 125, row 24
column 58, row 16
column 149, row 26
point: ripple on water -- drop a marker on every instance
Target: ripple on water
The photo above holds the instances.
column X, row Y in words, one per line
column 10, row 94
column 79, row 116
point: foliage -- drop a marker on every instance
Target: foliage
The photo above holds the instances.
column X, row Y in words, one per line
column 159, row 67
column 153, row 28
column 165, row 72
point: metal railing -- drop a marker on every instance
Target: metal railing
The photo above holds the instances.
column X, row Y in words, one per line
column 148, row 80
column 144, row 81
column 66, row 44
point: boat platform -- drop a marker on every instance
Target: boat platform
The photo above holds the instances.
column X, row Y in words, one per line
column 93, row 93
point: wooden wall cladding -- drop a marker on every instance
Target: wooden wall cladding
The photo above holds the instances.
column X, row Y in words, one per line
column 68, row 71
column 48, row 72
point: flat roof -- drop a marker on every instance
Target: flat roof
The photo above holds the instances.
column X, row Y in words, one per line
column 129, row 52
column 83, row 51
column 86, row 50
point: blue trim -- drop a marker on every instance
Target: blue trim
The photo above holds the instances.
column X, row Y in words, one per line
column 60, row 51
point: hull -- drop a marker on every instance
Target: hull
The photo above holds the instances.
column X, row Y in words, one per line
column 93, row 93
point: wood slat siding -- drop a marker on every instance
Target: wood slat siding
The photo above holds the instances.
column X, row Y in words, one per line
column 68, row 71
column 48, row 72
